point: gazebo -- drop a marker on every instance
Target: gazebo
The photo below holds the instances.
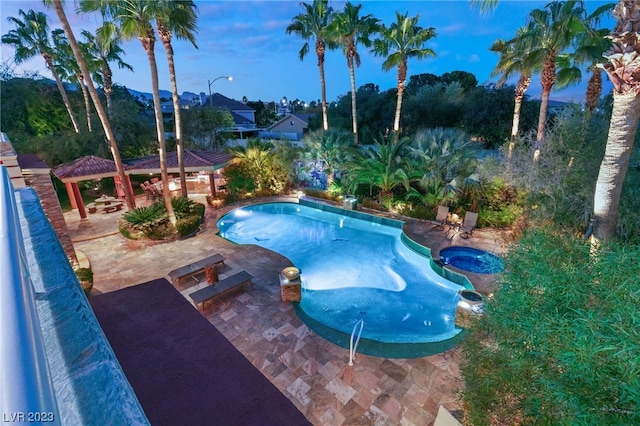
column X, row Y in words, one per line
column 92, row 167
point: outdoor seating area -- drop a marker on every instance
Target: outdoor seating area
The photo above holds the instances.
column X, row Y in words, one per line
column 462, row 226
column 180, row 275
column 105, row 204
column 221, row 288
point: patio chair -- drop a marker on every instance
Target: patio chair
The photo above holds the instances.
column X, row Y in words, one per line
column 468, row 224
column 441, row 217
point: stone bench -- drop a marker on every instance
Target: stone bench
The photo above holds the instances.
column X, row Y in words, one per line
column 191, row 270
column 220, row 288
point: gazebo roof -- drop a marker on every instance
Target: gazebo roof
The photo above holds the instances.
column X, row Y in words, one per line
column 85, row 168
column 92, row 167
column 194, row 161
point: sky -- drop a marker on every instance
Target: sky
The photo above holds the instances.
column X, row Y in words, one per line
column 247, row 40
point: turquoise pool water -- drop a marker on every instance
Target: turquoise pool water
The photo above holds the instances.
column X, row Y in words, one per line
column 353, row 269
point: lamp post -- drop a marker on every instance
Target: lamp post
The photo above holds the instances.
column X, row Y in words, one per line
column 228, row 77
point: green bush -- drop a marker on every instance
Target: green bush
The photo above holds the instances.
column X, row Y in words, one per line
column 188, row 225
column 85, row 277
column 558, row 343
column 182, row 206
column 143, row 216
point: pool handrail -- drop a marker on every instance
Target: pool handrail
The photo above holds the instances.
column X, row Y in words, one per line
column 352, row 347
column 25, row 383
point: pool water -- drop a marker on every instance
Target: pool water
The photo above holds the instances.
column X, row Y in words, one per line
column 353, row 269
column 472, row 260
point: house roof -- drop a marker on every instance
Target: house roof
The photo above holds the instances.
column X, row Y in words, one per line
column 220, row 101
column 240, row 120
column 32, row 164
column 299, row 117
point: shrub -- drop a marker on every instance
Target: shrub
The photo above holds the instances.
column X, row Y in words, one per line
column 143, row 216
column 85, row 276
column 558, row 342
column 188, row 225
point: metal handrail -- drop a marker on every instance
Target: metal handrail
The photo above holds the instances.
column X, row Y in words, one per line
column 352, row 347
column 25, row 383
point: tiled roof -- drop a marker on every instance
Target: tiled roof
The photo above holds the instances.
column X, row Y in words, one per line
column 92, row 167
column 193, row 159
column 89, row 166
column 221, row 101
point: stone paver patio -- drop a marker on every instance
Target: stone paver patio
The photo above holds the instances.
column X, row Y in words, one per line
column 310, row 371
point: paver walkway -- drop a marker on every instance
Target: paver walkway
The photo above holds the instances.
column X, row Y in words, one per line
column 310, row 371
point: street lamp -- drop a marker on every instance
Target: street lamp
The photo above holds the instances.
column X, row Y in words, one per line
column 228, row 77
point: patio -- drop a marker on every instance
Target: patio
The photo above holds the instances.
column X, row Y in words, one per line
column 312, row 372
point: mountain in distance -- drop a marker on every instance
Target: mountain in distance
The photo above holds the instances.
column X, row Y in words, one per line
column 164, row 94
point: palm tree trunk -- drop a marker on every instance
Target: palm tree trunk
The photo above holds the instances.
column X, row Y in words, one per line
column 148, row 45
column 320, row 49
column 128, row 193
column 515, row 126
column 63, row 92
column 402, row 76
column 622, row 131
column 108, row 88
column 542, row 123
column 165, row 36
column 352, row 75
column 87, row 105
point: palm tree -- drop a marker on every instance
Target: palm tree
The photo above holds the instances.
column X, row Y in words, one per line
column 177, row 17
column 382, row 165
column 314, row 23
column 115, row 152
column 621, row 67
column 134, row 19
column 549, row 32
column 405, row 39
column 31, row 38
column 512, row 55
column 329, row 150
column 68, row 67
column 104, row 47
column 349, row 29
column 447, row 159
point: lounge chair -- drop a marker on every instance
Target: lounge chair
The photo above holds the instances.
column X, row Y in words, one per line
column 441, row 217
column 468, row 224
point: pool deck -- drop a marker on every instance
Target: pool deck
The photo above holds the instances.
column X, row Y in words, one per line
column 312, row 372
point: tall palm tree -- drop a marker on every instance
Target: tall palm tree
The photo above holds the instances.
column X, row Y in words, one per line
column 177, row 17
column 104, row 47
column 549, row 33
column 622, row 68
column 115, row 152
column 31, row 38
column 404, row 39
column 349, row 29
column 68, row 67
column 383, row 165
column 512, row 55
column 134, row 19
column 314, row 23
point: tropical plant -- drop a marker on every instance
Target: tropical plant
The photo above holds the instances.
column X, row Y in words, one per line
column 329, row 151
column 134, row 20
column 314, row 23
column 621, row 67
column 548, row 34
column 446, row 160
column 557, row 342
column 128, row 192
column 383, row 165
column 512, row 55
column 31, row 38
column 104, row 47
column 207, row 127
column 349, row 29
column 177, row 17
column 404, row 39
column 68, row 67
column 258, row 162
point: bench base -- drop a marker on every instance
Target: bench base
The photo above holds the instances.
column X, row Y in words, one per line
column 220, row 288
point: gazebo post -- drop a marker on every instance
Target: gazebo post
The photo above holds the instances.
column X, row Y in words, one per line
column 72, row 198
column 133, row 200
column 212, row 184
column 78, row 197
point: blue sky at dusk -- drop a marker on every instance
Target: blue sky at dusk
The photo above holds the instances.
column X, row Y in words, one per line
column 247, row 40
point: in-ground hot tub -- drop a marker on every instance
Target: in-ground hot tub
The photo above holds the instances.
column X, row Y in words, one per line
column 472, row 260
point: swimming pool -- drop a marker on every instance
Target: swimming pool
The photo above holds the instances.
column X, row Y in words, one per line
column 472, row 259
column 353, row 269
